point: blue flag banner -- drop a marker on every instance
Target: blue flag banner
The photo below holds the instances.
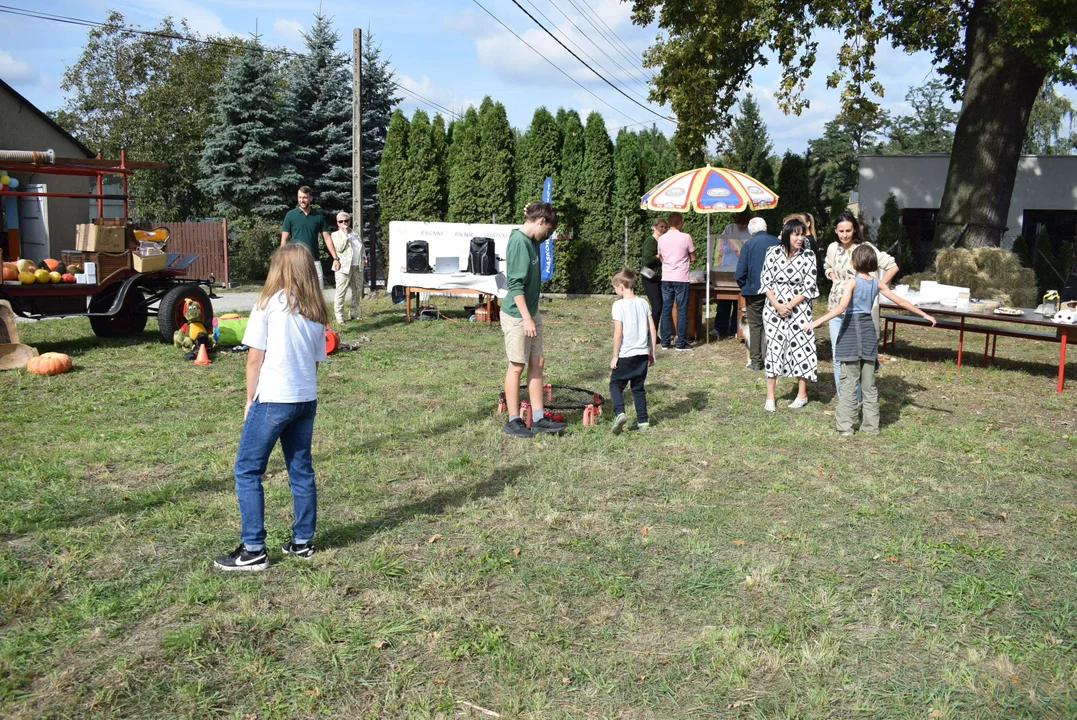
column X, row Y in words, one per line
column 546, row 247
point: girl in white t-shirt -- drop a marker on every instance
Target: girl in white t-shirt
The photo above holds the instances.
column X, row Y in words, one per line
column 286, row 336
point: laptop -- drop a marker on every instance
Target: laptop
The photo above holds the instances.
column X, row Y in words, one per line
column 447, row 265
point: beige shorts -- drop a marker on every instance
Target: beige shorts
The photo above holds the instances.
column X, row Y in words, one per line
column 518, row 346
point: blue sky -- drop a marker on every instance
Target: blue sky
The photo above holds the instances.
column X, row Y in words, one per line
column 448, row 51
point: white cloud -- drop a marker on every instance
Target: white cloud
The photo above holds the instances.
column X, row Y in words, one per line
column 289, row 29
column 426, row 88
column 17, row 72
column 200, row 18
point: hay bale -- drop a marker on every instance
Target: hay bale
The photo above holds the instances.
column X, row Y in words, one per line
column 989, row 273
column 914, row 280
column 955, row 266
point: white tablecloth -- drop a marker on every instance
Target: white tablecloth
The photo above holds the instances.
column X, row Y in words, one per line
column 488, row 284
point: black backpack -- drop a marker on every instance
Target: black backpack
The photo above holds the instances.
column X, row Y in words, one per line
column 418, row 256
column 481, row 259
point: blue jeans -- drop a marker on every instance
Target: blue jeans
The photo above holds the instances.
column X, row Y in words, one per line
column 293, row 425
column 835, row 327
column 674, row 292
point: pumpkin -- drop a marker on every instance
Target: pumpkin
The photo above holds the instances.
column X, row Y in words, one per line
column 42, row 276
column 25, row 265
column 51, row 265
column 49, row 363
column 55, row 277
column 10, row 273
column 27, row 278
column 73, row 269
column 67, row 278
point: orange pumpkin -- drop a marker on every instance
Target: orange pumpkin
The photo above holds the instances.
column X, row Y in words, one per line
column 49, row 364
column 52, row 265
column 10, row 273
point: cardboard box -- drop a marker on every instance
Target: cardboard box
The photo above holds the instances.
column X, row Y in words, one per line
column 93, row 238
column 149, row 263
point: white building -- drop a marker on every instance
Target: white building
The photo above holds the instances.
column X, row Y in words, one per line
column 1044, row 194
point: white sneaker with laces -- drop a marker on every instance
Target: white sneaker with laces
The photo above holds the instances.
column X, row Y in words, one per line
column 770, row 407
column 799, row 403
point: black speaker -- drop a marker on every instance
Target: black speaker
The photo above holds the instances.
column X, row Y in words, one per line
column 1070, row 291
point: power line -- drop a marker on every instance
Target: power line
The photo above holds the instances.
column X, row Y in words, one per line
column 630, row 56
column 602, row 35
column 584, row 33
column 600, row 76
column 555, row 67
column 569, row 38
column 68, row 20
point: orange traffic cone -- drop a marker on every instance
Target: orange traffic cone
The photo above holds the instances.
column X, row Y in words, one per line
column 203, row 356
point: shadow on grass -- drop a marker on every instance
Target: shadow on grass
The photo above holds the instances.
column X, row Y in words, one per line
column 131, row 503
column 76, row 346
column 973, row 357
column 895, row 395
column 696, row 400
column 436, row 504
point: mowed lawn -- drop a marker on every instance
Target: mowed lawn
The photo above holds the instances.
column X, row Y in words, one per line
column 730, row 563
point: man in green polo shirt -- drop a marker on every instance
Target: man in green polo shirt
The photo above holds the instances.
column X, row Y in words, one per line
column 521, row 322
column 303, row 225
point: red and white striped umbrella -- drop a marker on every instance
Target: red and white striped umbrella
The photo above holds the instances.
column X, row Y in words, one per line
column 709, row 190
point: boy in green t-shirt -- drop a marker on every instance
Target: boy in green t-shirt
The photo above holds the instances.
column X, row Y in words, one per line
column 521, row 322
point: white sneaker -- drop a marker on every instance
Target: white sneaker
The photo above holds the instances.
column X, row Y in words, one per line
column 770, row 407
column 799, row 403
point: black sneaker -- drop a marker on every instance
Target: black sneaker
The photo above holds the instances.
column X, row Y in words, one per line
column 546, row 425
column 686, row 348
column 241, row 559
column 516, row 428
column 305, row 551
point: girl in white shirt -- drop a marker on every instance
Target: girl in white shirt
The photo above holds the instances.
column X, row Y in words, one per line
column 286, row 336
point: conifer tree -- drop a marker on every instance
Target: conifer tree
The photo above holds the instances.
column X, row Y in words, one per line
column 319, row 118
column 496, row 146
column 794, row 186
column 378, row 98
column 439, row 159
column 746, row 147
column 891, row 237
column 246, row 162
column 627, row 190
column 392, row 184
column 465, row 170
column 424, row 191
column 569, row 275
column 596, row 184
column 540, row 157
column 657, row 157
column 520, row 167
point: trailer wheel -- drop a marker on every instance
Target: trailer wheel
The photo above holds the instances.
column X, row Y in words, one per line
column 130, row 320
column 170, row 316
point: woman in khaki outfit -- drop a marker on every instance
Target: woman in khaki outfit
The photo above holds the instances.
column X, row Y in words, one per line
column 350, row 275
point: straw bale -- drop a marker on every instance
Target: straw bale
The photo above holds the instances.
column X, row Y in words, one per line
column 988, row 273
column 956, row 266
column 914, row 280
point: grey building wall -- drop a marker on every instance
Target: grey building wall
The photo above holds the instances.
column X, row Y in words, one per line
column 1044, row 182
column 24, row 127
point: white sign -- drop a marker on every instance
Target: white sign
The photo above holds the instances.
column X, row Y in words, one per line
column 445, row 240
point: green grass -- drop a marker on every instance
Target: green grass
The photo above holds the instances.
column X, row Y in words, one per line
column 731, row 563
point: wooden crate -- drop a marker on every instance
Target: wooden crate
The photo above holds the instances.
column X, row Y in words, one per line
column 107, row 263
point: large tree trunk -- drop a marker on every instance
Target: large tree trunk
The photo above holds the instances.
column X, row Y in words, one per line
column 1001, row 88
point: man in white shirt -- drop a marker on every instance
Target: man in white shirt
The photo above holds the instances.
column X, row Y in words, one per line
column 350, row 275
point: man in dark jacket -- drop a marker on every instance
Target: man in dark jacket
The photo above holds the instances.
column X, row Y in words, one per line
column 749, row 268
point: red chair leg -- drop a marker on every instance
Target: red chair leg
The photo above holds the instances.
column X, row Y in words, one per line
column 525, row 412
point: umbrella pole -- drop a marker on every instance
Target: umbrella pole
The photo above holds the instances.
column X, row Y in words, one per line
column 707, row 285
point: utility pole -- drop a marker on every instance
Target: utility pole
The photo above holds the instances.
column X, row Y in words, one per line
column 357, row 155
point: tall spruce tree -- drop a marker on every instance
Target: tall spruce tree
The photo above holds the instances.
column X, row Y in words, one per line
column 627, row 190
column 520, row 152
column 465, row 170
column 746, row 147
column 392, row 185
column 496, row 145
column 657, row 158
column 377, row 97
column 319, row 120
column 569, row 275
column 424, row 191
column 605, row 255
column 541, row 156
column 439, row 150
column 246, row 163
column 794, row 186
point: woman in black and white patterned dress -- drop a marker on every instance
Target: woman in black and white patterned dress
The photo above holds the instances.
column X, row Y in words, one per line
column 788, row 280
